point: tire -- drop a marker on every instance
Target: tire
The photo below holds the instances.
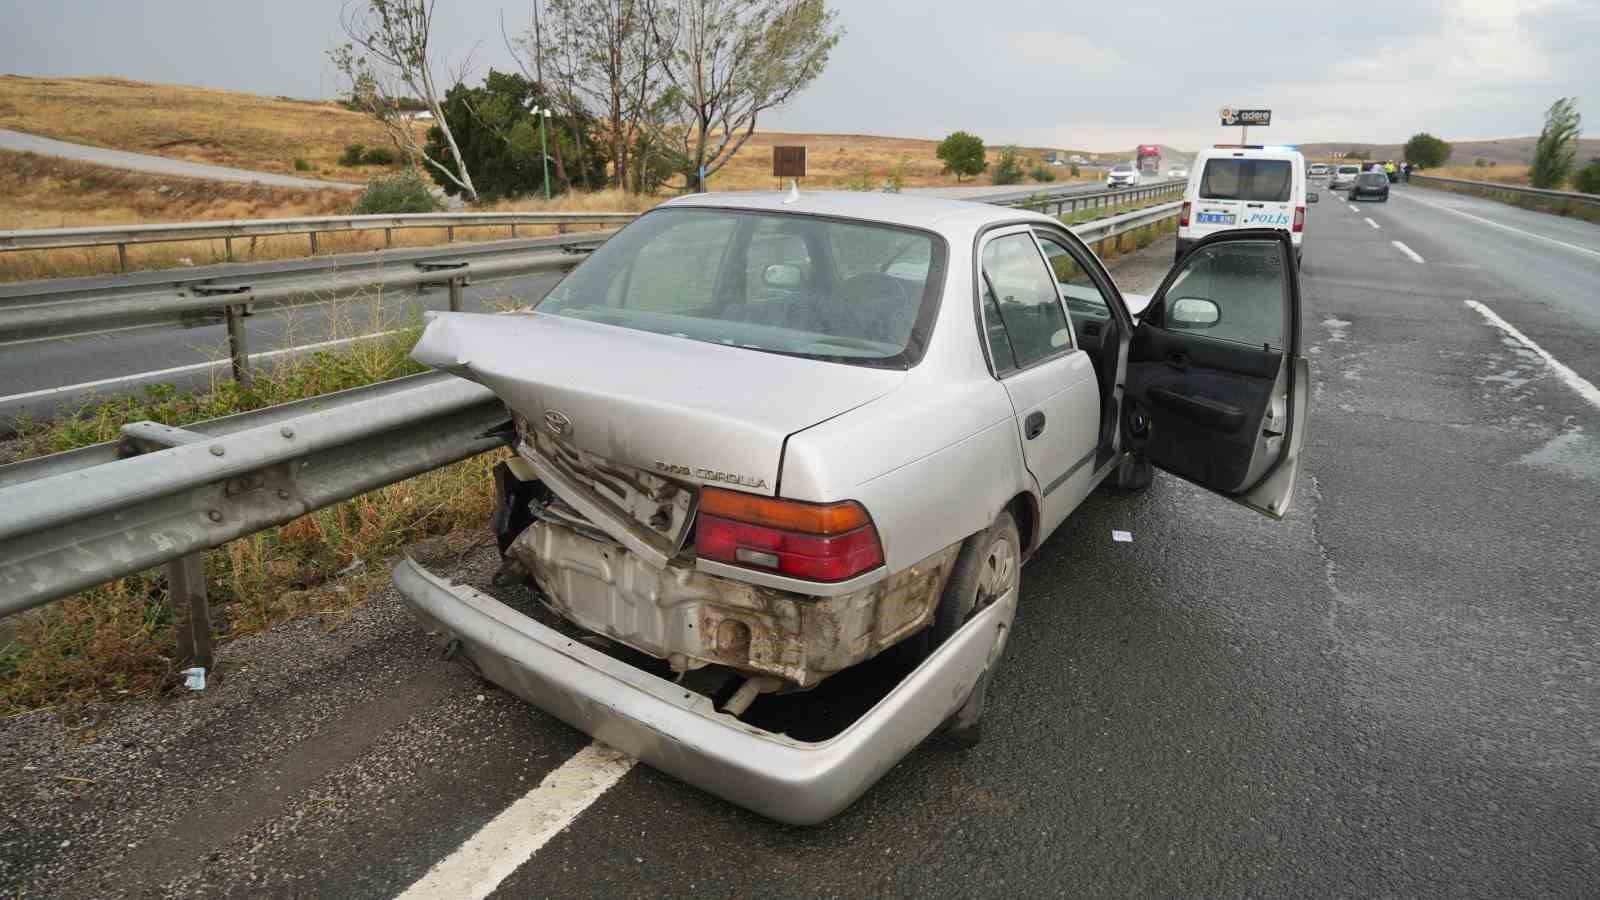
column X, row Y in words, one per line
column 988, row 567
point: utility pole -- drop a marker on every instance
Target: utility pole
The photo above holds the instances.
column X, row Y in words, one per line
column 543, row 115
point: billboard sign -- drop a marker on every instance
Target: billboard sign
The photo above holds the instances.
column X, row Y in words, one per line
column 1245, row 117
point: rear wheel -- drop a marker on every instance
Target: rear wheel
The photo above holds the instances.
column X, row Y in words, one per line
column 988, row 570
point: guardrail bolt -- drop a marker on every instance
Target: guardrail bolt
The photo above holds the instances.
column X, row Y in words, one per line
column 215, row 515
column 286, row 431
column 216, row 450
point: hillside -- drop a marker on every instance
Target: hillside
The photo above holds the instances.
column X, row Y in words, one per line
column 268, row 134
column 1515, row 151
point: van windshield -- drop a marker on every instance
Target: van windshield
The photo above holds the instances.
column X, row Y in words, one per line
column 841, row 291
column 1256, row 180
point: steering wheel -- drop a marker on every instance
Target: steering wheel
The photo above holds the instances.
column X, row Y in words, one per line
column 865, row 306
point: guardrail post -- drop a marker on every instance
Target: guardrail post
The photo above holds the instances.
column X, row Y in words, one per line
column 122, row 257
column 455, row 294
column 313, row 236
column 186, row 586
column 237, row 351
column 388, row 237
column 450, row 234
column 227, row 248
column 513, row 229
column 561, row 228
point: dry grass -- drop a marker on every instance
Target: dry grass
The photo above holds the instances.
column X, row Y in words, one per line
column 117, row 640
column 1501, row 174
column 197, row 124
column 839, row 160
column 44, row 192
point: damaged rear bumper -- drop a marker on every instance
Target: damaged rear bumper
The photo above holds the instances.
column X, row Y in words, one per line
column 681, row 732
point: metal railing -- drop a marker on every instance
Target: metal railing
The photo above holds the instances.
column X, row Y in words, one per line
column 1069, row 204
column 162, row 495
column 1511, row 192
column 230, row 298
column 228, row 231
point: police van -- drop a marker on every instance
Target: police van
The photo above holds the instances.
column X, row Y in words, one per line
column 1244, row 186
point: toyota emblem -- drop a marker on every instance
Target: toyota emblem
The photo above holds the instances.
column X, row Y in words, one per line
column 557, row 422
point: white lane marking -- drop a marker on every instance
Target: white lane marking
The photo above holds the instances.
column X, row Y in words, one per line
column 511, row 838
column 192, row 367
column 1372, row 223
column 1583, row 386
column 1493, row 224
column 1354, row 208
column 1408, row 251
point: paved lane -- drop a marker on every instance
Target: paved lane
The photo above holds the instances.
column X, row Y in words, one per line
column 22, row 142
column 1396, row 691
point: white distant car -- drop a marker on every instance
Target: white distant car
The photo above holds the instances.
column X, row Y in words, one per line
column 1317, row 170
column 1123, row 175
column 1178, row 172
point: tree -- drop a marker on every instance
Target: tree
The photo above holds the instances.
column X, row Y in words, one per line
column 606, row 55
column 728, row 61
column 387, row 62
column 499, row 139
column 1426, row 151
column 1552, row 156
column 1588, row 178
column 962, row 154
column 1007, row 166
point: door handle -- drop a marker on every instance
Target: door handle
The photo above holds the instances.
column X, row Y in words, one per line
column 1178, row 360
column 1033, row 425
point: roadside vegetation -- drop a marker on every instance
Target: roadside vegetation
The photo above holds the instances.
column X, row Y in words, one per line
column 117, row 640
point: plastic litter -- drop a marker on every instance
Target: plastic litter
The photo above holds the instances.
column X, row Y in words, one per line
column 1122, row 537
column 194, row 679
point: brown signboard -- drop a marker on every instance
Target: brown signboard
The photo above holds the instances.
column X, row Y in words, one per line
column 789, row 162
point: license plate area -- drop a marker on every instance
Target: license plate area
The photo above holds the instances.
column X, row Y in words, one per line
column 1215, row 218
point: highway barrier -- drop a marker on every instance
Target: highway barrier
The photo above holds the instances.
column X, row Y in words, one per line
column 1564, row 203
column 120, row 236
column 1066, row 204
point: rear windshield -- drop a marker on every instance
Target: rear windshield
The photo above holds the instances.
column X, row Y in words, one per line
column 800, row 285
column 1257, row 180
column 1373, row 178
column 1349, row 170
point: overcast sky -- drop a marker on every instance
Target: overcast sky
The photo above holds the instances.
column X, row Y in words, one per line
column 1100, row 76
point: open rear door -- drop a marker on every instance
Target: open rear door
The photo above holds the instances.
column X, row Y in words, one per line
column 1217, row 391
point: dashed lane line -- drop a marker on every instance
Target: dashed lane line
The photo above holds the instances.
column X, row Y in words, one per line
column 1493, row 224
column 1354, row 208
column 1583, row 386
column 1372, row 223
column 1415, row 257
column 499, row 848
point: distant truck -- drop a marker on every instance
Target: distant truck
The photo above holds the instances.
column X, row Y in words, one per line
column 1148, row 158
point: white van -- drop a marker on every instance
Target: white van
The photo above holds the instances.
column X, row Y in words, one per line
column 1237, row 186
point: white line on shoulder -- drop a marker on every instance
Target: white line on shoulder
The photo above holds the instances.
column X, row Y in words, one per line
column 1493, row 224
column 1583, row 386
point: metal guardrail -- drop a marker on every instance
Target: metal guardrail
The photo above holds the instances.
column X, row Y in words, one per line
column 1496, row 190
column 1111, row 226
column 162, row 495
column 1068, row 204
column 229, row 231
column 232, row 299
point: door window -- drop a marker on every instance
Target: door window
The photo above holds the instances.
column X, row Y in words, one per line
column 1020, row 289
column 1232, row 291
column 1078, row 289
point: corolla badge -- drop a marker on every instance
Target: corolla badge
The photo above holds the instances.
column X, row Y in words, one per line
column 557, row 422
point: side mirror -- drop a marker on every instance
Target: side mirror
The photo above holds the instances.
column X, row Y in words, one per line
column 1194, row 312
column 1311, row 198
column 781, row 275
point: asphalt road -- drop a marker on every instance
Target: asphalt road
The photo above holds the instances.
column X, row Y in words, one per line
column 1394, row 692
column 22, row 142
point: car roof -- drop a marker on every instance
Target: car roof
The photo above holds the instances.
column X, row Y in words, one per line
column 910, row 210
column 1248, row 153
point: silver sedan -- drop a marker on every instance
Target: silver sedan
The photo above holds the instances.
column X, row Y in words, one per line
column 761, row 439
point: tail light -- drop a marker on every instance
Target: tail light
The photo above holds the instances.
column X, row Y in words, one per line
column 1299, row 219
column 814, row 541
column 1183, row 215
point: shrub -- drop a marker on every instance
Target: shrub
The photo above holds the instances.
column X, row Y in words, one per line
column 1007, row 166
column 1042, row 173
column 1481, row 163
column 300, row 165
column 1426, row 151
column 378, row 156
column 405, row 192
column 352, row 155
column 1588, row 178
column 1552, row 156
column 1075, row 171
